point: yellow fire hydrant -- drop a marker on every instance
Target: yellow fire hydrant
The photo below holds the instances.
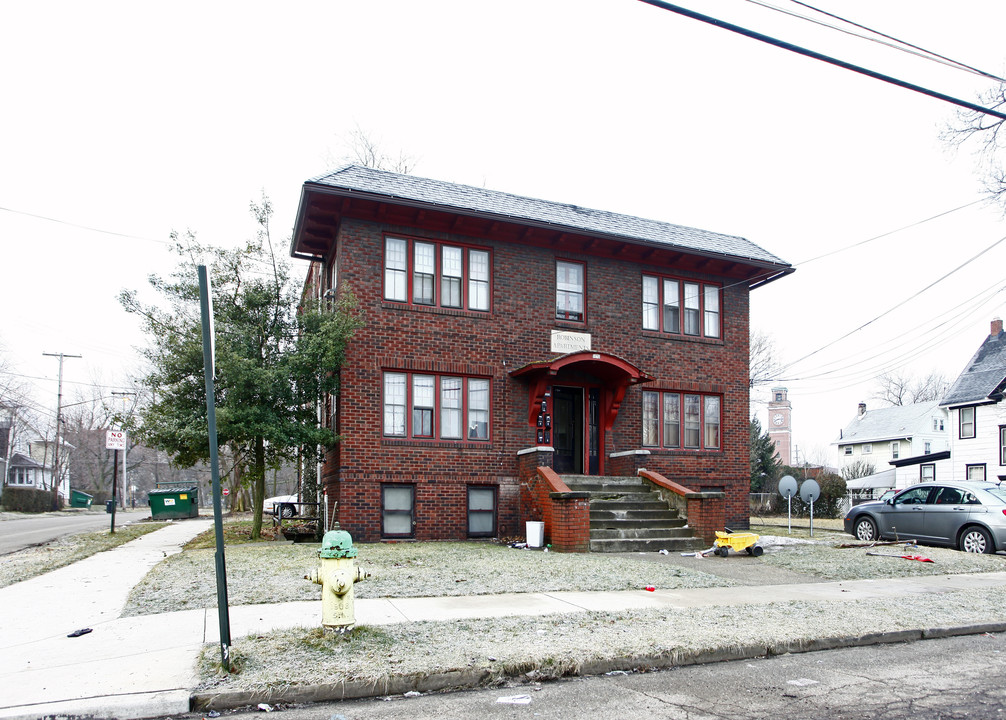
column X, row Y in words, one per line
column 336, row 576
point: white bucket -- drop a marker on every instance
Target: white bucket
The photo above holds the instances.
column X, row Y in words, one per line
column 535, row 534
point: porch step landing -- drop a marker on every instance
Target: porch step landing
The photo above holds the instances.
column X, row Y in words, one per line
column 627, row 515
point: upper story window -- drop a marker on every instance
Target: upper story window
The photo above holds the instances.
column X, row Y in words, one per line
column 681, row 420
column 1002, row 444
column 428, row 273
column 847, row 449
column 938, row 424
column 975, row 473
column 426, row 406
column 895, row 450
column 967, row 422
column 681, row 307
column 927, row 448
column 867, row 448
column 569, row 290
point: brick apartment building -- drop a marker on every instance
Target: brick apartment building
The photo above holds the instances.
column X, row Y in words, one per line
column 500, row 328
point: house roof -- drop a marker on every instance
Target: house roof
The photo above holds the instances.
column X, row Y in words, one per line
column 364, row 182
column 19, row 460
column 983, row 376
column 891, row 423
column 883, row 479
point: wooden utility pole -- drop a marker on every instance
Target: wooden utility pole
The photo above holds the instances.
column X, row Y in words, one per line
column 59, row 408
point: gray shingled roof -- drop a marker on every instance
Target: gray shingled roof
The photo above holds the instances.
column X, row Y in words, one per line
column 467, row 199
column 889, row 423
column 983, row 374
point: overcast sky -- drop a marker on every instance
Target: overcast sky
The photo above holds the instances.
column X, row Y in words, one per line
column 123, row 121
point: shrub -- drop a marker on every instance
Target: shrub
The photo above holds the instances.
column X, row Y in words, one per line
column 30, row 500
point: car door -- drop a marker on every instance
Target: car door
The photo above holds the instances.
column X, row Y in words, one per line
column 904, row 518
column 945, row 514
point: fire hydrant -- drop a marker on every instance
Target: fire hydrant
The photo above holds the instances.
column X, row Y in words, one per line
column 336, row 575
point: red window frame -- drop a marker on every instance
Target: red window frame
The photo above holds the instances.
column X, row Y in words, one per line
column 410, row 407
column 681, row 400
column 438, row 276
column 702, row 310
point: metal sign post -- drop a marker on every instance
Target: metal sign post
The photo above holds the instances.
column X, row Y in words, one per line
column 206, row 309
column 115, row 440
column 787, row 488
column 809, row 492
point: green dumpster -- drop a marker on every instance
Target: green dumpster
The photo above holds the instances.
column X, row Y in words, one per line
column 80, row 499
column 167, row 504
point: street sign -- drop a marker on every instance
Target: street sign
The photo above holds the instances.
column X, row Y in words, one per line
column 115, row 440
column 226, row 491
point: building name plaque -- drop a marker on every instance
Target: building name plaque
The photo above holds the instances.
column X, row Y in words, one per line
column 564, row 341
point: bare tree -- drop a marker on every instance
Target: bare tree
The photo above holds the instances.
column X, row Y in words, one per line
column 898, row 388
column 764, row 366
column 984, row 133
column 858, row 469
column 364, row 149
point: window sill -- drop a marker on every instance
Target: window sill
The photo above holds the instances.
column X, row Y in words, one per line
column 435, row 310
column 682, row 451
column 682, row 337
column 423, row 442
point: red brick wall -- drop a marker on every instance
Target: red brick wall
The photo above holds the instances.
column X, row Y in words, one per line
column 514, row 333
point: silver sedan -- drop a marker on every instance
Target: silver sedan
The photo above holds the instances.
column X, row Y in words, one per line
column 970, row 516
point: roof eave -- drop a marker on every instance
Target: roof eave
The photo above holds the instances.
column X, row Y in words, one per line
column 779, row 269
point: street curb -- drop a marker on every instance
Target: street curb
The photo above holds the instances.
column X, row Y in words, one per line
column 467, row 679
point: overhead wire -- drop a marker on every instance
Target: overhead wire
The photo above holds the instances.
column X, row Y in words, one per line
column 806, row 52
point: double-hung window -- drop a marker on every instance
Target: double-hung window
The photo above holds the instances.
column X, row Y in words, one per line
column 681, row 420
column 967, row 422
column 429, row 406
column 569, row 290
column 678, row 307
column 1002, row 444
column 435, row 274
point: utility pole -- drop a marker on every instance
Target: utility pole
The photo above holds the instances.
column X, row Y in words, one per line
column 59, row 408
column 125, row 485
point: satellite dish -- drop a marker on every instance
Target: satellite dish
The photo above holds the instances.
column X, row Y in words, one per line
column 810, row 491
column 787, row 486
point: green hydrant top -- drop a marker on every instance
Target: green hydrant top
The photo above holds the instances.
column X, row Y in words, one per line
column 337, row 544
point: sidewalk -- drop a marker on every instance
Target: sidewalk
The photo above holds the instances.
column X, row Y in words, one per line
column 144, row 666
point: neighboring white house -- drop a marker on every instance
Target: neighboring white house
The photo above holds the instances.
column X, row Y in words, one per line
column 977, row 414
column 887, row 435
column 28, row 457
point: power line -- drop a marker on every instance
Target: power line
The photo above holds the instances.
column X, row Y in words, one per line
column 925, row 53
column 823, row 58
column 898, row 305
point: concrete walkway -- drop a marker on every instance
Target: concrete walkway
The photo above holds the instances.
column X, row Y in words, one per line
column 141, row 667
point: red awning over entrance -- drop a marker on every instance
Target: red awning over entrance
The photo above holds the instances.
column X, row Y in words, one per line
column 613, row 373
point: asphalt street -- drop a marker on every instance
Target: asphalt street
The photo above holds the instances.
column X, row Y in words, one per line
column 19, row 533
column 959, row 677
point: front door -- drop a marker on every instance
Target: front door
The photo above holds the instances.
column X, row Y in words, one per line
column 567, row 430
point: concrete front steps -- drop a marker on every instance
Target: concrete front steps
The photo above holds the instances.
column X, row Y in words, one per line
column 627, row 515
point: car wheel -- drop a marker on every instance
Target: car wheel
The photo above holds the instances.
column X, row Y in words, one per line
column 286, row 511
column 976, row 540
column 865, row 530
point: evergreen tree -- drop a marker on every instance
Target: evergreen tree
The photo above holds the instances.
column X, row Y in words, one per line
column 273, row 363
column 765, row 462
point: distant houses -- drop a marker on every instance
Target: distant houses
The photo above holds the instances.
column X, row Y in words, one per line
column 960, row 437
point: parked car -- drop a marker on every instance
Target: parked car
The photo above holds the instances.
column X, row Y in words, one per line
column 887, row 495
column 282, row 505
column 970, row 516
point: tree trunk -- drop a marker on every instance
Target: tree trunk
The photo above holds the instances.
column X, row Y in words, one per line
column 258, row 487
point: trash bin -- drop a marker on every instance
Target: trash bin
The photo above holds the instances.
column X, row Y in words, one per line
column 80, row 499
column 174, row 503
column 109, row 505
column 535, row 534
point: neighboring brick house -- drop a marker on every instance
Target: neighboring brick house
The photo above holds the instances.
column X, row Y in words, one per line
column 499, row 327
column 977, row 424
